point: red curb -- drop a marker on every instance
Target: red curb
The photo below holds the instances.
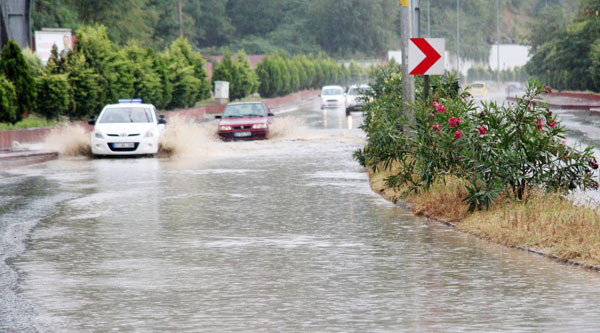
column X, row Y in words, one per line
column 33, row 135
column 11, row 160
column 580, row 95
column 202, row 111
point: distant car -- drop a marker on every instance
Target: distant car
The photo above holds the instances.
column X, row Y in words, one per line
column 513, row 88
column 478, row 89
column 245, row 121
column 332, row 97
column 355, row 97
column 127, row 128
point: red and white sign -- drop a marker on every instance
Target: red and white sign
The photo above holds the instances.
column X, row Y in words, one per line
column 426, row 56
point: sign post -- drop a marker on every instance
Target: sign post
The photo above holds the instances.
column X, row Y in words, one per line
column 426, row 57
column 408, row 82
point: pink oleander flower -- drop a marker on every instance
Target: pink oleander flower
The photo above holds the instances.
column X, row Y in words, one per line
column 436, row 127
column 431, row 114
column 539, row 124
column 458, row 134
column 434, row 104
column 552, row 123
column 482, row 130
column 548, row 89
column 453, row 121
column 440, row 108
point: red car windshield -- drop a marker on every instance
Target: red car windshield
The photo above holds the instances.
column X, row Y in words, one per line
column 245, row 110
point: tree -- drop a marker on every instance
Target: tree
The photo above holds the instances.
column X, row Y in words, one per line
column 53, row 14
column 8, row 101
column 545, row 26
column 147, row 82
column 16, row 70
column 87, row 94
column 224, row 70
column 209, row 25
column 54, row 91
column 115, row 71
column 334, row 23
column 187, row 74
column 124, row 19
column 245, row 80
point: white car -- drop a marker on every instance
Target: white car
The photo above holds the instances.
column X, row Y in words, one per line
column 355, row 98
column 332, row 97
column 127, row 128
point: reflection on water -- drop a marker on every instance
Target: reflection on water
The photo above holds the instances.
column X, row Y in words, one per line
column 278, row 235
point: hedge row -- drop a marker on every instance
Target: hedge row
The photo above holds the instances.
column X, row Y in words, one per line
column 280, row 75
column 480, row 73
column 97, row 72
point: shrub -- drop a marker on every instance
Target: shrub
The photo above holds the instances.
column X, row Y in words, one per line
column 147, row 83
column 87, row 88
column 245, row 80
column 14, row 66
column 507, row 149
column 186, row 74
column 54, row 91
column 8, row 101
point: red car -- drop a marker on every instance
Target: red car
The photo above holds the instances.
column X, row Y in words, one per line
column 245, row 121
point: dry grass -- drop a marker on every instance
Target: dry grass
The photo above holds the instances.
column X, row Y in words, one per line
column 546, row 222
column 442, row 201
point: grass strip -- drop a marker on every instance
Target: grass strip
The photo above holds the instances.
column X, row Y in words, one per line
column 546, row 223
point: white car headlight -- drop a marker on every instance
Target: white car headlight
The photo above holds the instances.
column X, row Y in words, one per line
column 98, row 135
column 259, row 126
column 149, row 134
column 224, row 128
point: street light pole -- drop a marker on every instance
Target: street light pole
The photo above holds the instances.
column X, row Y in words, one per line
column 180, row 18
column 428, row 19
column 458, row 36
column 498, row 41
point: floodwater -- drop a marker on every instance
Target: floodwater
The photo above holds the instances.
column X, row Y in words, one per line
column 283, row 235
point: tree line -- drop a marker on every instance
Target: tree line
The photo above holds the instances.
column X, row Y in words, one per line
column 482, row 73
column 339, row 28
column 566, row 54
column 77, row 84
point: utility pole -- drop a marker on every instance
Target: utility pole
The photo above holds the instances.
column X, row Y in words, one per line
column 180, row 16
column 408, row 83
column 498, row 41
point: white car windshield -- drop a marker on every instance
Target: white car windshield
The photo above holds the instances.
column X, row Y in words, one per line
column 126, row 115
column 332, row 92
column 359, row 91
column 244, row 110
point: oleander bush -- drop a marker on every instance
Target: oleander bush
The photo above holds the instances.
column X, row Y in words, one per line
column 499, row 150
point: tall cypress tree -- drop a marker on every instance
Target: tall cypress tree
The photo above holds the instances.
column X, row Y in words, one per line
column 14, row 66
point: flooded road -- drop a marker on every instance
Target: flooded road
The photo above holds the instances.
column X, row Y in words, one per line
column 283, row 235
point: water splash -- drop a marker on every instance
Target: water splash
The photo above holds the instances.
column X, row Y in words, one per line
column 69, row 141
column 185, row 137
column 287, row 128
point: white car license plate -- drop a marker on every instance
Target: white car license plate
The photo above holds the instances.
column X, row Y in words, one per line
column 242, row 134
column 123, row 145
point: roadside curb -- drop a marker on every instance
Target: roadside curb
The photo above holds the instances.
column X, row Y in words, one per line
column 201, row 112
column 16, row 159
column 453, row 224
column 593, row 108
